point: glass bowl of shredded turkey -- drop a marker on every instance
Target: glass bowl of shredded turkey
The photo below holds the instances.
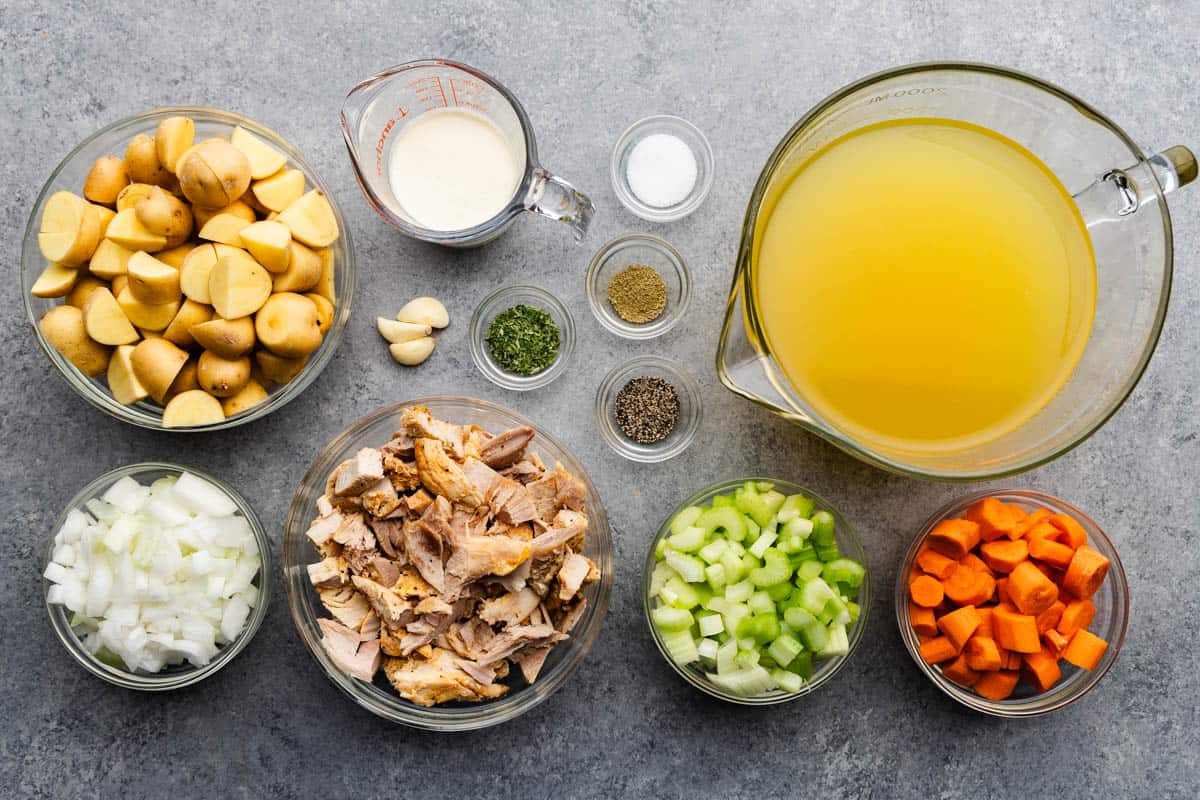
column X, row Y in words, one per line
column 447, row 563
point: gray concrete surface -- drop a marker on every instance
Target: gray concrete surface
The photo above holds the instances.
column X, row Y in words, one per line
column 270, row 725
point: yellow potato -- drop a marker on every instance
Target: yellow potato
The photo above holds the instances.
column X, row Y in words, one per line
column 192, row 409
column 325, row 286
column 278, row 369
column 148, row 317
column 311, row 220
column 303, row 271
column 269, row 243
column 151, row 281
column 264, row 159
column 119, row 285
column 83, row 287
column 239, row 208
column 156, row 363
column 105, row 180
column 185, row 381
column 129, row 232
column 189, row 314
column 105, row 321
column 142, row 164
column 109, row 260
column 125, row 387
column 175, row 256
column 64, row 329
column 222, row 377
column 172, row 139
column 249, row 396
column 288, row 325
column 213, row 173
column 224, row 228
column 165, row 214
column 238, row 287
column 195, row 272
column 55, row 281
column 228, row 338
column 132, row 193
column 70, row 229
column 107, row 215
column 280, row 190
column 324, row 311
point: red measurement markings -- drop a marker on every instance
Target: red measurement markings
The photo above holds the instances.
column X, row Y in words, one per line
column 466, row 92
column 402, row 112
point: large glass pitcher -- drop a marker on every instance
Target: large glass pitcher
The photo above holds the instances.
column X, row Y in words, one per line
column 1119, row 190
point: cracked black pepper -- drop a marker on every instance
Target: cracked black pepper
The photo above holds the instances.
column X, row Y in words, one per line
column 647, row 409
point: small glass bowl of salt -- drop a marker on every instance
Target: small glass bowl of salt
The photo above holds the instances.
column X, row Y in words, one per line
column 662, row 168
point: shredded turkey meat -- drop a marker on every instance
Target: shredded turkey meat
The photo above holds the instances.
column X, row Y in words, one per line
column 447, row 556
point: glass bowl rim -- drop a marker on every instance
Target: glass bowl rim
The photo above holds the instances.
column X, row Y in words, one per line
column 477, row 337
column 606, row 396
column 629, row 330
column 699, row 193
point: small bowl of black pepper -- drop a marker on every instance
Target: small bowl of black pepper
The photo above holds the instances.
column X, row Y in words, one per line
column 521, row 337
column 638, row 286
column 648, row 409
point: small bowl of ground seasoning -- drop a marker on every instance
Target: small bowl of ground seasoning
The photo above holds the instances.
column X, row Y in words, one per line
column 521, row 337
column 648, row 409
column 638, row 286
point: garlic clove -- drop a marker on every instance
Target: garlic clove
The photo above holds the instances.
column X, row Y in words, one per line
column 425, row 311
column 412, row 352
column 396, row 332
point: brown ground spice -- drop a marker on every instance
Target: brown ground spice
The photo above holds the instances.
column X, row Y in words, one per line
column 638, row 294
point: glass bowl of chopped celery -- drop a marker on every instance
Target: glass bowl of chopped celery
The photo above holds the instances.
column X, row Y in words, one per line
column 756, row 591
column 521, row 337
column 155, row 576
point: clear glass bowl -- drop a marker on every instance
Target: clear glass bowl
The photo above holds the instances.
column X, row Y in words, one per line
column 378, row 697
column 823, row 671
column 502, row 300
column 639, row 248
column 172, row 677
column 1110, row 622
column 690, row 409
column 69, row 176
column 619, row 162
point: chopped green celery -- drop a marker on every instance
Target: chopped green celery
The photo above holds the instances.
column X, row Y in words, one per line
column 746, row 645
column 797, row 617
column 686, row 595
column 762, row 628
column 739, row 592
column 752, row 530
column 747, row 682
column 722, row 501
column 685, row 519
column 784, row 649
column 718, row 604
column 690, row 568
column 713, row 551
column 747, row 658
column 660, row 548
column 734, row 571
column 822, row 533
column 680, row 646
column 750, row 563
column 808, row 570
column 688, row 540
column 817, row 598
column 667, row 596
column 802, row 665
column 791, row 601
column 855, row 611
column 734, row 615
column 815, row 636
column 668, row 619
column 761, row 603
column 838, row 643
column 844, row 570
column 800, row 527
column 790, row 544
column 708, row 649
column 795, row 506
column 775, row 569
column 726, row 655
column 805, row 553
column 847, row 592
column 715, row 574
column 737, row 548
column 659, row 577
column 724, row 519
column 779, row 591
column 759, row 507
column 786, row 681
column 828, row 552
column 765, row 660
column 764, row 486
column 765, row 540
column 710, row 624
column 773, row 499
column 837, row 612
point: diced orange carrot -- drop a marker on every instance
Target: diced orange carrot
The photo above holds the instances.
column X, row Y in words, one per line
column 1056, row 554
column 954, row 538
column 935, row 563
column 997, row 686
column 959, row 625
column 1029, row 522
column 960, row 672
column 1085, row 573
column 972, row 561
column 1050, row 617
column 968, row 587
column 993, row 517
column 1055, row 641
column 922, row 620
column 1042, row 670
column 1085, row 649
column 1015, row 631
column 1014, row 660
column 982, row 654
column 1002, row 591
column 985, row 621
column 1030, row 590
column 938, row 650
column 1075, row 617
column 926, row 591
column 1003, row 555
column 1042, row 529
column 1017, row 513
column 1073, row 534
column 923, row 638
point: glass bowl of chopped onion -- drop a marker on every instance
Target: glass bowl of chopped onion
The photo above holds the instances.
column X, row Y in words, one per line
column 378, row 696
column 531, row 367
column 155, row 576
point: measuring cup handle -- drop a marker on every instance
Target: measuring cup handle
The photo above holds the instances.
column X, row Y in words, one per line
column 554, row 198
column 1120, row 192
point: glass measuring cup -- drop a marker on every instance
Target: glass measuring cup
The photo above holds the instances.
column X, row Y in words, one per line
column 379, row 107
column 1120, row 192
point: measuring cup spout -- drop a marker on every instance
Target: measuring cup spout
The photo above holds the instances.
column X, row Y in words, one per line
column 554, row 198
column 1120, row 192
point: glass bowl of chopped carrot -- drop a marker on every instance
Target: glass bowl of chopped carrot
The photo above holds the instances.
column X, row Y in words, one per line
column 1013, row 602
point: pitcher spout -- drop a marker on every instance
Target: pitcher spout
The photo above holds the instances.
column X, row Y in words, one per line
column 554, row 198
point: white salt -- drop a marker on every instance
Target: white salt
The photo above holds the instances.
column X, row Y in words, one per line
column 661, row 170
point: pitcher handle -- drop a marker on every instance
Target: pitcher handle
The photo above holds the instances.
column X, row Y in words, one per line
column 554, row 198
column 1120, row 192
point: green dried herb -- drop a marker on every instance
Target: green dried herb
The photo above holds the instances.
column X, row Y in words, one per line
column 523, row 340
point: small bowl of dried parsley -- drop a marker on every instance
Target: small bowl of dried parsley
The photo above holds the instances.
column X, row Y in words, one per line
column 638, row 286
column 648, row 409
column 521, row 337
